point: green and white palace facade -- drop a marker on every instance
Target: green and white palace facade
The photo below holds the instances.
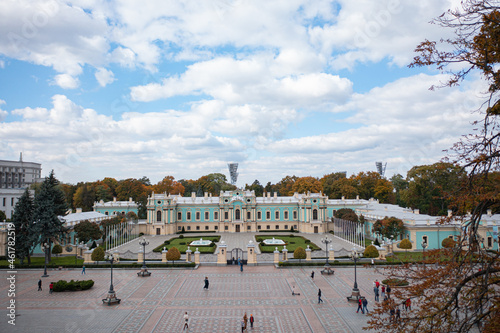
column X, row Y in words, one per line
column 242, row 211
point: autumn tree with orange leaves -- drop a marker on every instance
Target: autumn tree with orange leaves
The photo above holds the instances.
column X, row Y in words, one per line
column 457, row 289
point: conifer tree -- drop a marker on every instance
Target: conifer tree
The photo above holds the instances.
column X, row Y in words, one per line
column 24, row 227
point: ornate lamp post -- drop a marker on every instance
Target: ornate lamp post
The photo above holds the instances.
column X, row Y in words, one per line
column 424, row 245
column 327, row 269
column 355, row 291
column 111, row 297
column 144, row 269
column 76, row 251
column 46, row 249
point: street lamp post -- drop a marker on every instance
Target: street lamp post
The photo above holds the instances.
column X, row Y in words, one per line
column 46, row 247
column 111, row 297
column 144, row 269
column 327, row 269
column 76, row 251
column 355, row 291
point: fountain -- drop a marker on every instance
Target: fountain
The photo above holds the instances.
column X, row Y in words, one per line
column 274, row 241
column 201, row 242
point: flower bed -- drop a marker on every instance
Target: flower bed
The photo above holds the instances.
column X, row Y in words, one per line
column 72, row 285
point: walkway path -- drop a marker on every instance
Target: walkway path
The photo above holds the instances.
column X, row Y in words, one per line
column 157, row 303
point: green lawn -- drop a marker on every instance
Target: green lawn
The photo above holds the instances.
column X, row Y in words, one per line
column 41, row 261
column 291, row 243
column 182, row 244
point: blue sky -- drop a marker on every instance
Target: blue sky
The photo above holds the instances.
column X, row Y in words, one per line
column 98, row 89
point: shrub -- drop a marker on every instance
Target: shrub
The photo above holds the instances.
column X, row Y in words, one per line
column 166, row 242
column 181, row 236
column 98, row 254
column 371, row 252
column 212, row 244
column 182, row 243
column 405, row 244
column 291, row 235
column 307, row 241
column 448, row 243
column 173, row 254
column 57, row 249
column 141, row 234
column 62, row 285
column 299, row 253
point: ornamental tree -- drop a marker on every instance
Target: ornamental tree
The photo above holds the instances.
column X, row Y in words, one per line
column 97, row 254
column 87, row 231
column 389, row 227
column 371, row 252
column 173, row 254
column 405, row 244
column 299, row 253
column 26, row 236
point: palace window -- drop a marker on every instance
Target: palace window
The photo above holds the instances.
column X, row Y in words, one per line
column 248, row 227
column 179, row 216
column 286, row 226
column 285, row 214
column 490, row 241
column 216, row 215
column 277, row 215
column 206, row 216
column 237, row 215
column 158, row 216
column 315, row 214
column 188, row 228
column 268, row 227
column 268, row 215
column 226, row 215
column 226, row 227
column 197, row 227
column 206, row 227
column 294, row 214
column 216, row 227
column 424, row 240
column 259, row 215
column 198, row 216
column 258, row 227
column 277, row 226
column 188, row 216
column 249, row 215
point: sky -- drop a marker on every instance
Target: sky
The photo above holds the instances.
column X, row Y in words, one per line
column 126, row 89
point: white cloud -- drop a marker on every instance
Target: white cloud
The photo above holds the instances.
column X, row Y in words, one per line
column 104, row 76
column 66, row 81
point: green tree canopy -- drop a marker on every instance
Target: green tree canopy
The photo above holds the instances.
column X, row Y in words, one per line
column 98, row 254
column 371, row 252
column 299, row 253
column 405, row 244
column 389, row 227
column 87, row 231
column 346, row 214
column 26, row 234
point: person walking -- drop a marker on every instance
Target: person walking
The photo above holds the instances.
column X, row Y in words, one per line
column 40, row 285
column 51, row 287
column 242, row 326
column 388, row 290
column 186, row 321
column 365, row 305
column 241, row 266
column 206, row 283
column 312, row 275
column 83, row 269
column 383, row 291
column 251, row 321
column 398, row 314
column 319, row 296
column 408, row 304
column 375, row 290
column 360, row 306
column 245, row 319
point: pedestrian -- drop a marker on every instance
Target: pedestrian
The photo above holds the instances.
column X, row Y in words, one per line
column 319, row 296
column 51, row 287
column 375, row 290
column 241, row 266
column 365, row 305
column 40, row 285
column 239, row 262
column 360, row 305
column 408, row 304
column 206, row 283
column 83, row 269
column 373, row 263
column 388, row 290
column 251, row 321
column 186, row 321
column 392, row 312
column 312, row 275
column 242, row 326
column 245, row 319
column 383, row 291
column 234, row 261
column 398, row 314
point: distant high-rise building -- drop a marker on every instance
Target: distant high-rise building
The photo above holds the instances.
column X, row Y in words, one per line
column 381, row 168
column 15, row 177
column 233, row 168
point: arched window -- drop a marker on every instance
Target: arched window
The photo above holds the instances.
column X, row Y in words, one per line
column 206, row 216
column 285, row 214
column 179, row 216
column 237, row 214
column 294, row 214
column 197, row 215
column 226, row 215
column 268, row 215
column 249, row 215
column 259, row 215
column 158, row 216
column 216, row 215
column 277, row 215
column 315, row 214
column 188, row 216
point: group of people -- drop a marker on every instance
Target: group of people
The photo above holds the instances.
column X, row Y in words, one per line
column 51, row 286
column 245, row 320
column 385, row 291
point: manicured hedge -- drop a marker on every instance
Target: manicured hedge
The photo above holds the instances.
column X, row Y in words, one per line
column 73, row 285
column 395, row 282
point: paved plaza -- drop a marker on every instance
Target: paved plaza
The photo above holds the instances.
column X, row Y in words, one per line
column 157, row 303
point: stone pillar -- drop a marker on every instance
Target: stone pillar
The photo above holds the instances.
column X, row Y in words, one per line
column 140, row 256
column 331, row 254
column 308, row 253
column 252, row 256
column 164, row 255
column 197, row 257
column 222, row 255
column 285, row 253
column 87, row 257
column 188, row 254
column 116, row 255
column 276, row 256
